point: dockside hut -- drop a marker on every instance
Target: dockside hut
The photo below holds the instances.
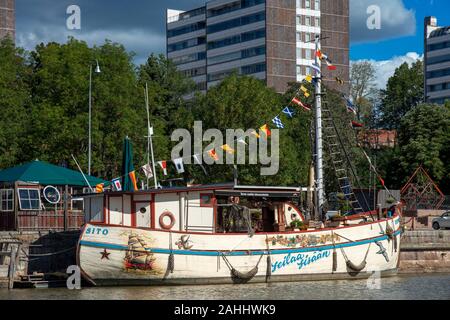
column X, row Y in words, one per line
column 39, row 196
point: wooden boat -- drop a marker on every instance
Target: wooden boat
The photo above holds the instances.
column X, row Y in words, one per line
column 235, row 234
column 201, row 235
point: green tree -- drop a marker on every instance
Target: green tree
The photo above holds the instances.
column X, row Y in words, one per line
column 58, row 121
column 424, row 136
column 363, row 90
column 14, row 102
column 404, row 91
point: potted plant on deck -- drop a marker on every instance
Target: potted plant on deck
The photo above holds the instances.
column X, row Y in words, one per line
column 298, row 225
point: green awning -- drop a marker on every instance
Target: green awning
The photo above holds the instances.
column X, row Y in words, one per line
column 47, row 174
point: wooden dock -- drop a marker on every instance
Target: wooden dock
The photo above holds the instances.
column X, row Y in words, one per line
column 9, row 259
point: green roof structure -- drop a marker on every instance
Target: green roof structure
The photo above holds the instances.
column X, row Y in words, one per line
column 47, row 174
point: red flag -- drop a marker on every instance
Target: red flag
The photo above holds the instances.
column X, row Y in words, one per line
column 212, row 153
column 382, row 181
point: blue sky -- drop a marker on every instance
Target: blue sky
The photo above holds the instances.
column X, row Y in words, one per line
column 140, row 26
column 384, row 50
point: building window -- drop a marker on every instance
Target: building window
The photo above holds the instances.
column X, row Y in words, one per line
column 307, row 21
column 299, row 36
column 317, row 4
column 299, row 53
column 308, row 54
column 238, row 22
column 307, row 37
column 6, row 200
column 317, row 22
column 29, row 198
column 299, row 70
column 308, row 4
column 308, row 70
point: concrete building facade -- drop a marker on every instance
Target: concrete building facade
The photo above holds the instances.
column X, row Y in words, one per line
column 436, row 62
column 7, row 19
column 272, row 40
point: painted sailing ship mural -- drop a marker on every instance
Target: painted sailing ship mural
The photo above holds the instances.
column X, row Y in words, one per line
column 228, row 233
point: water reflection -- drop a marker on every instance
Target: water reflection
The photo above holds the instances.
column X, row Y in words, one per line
column 401, row 287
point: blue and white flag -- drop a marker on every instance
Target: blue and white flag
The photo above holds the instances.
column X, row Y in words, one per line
column 316, row 68
column 287, row 111
column 278, row 122
column 350, row 106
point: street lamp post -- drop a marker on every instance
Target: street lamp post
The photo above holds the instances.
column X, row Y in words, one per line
column 97, row 70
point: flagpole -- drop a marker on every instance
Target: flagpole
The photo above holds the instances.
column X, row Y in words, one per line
column 319, row 139
column 149, row 140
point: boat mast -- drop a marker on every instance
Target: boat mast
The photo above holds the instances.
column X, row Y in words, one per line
column 319, row 139
column 149, row 139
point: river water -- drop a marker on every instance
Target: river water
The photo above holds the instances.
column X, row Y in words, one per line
column 410, row 287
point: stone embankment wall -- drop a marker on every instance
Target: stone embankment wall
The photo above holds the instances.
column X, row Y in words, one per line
column 425, row 251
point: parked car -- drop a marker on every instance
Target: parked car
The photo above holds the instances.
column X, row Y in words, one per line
column 443, row 222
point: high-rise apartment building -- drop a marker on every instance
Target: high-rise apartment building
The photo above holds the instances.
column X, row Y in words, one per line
column 437, row 62
column 272, row 40
column 7, row 19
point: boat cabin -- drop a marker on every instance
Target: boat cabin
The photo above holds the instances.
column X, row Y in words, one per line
column 203, row 209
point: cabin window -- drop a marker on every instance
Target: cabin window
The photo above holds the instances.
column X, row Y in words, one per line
column 29, row 199
column 78, row 204
column 6, row 200
column 206, row 200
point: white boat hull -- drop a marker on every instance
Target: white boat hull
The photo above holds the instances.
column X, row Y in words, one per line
column 200, row 258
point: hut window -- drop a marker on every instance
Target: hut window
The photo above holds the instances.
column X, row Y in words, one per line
column 6, row 200
column 29, row 199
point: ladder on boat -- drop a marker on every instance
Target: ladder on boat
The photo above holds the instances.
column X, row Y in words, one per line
column 340, row 159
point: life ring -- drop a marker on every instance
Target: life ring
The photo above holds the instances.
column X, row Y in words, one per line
column 172, row 220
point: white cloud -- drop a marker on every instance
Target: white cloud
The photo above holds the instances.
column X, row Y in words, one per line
column 396, row 20
column 386, row 68
column 140, row 41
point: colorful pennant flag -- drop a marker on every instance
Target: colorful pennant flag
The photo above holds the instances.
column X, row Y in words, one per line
column 339, row 80
column 316, row 68
column 147, row 170
column 330, row 65
column 266, row 130
column 117, row 184
column 357, row 124
column 278, row 123
column 305, row 91
column 241, row 140
column 179, row 165
column 99, row 188
column 287, row 111
column 212, row 153
column 320, row 55
column 197, row 161
column 132, row 176
column 163, row 165
column 308, row 78
column 301, row 104
column 382, row 181
column 227, row 149
column 350, row 106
